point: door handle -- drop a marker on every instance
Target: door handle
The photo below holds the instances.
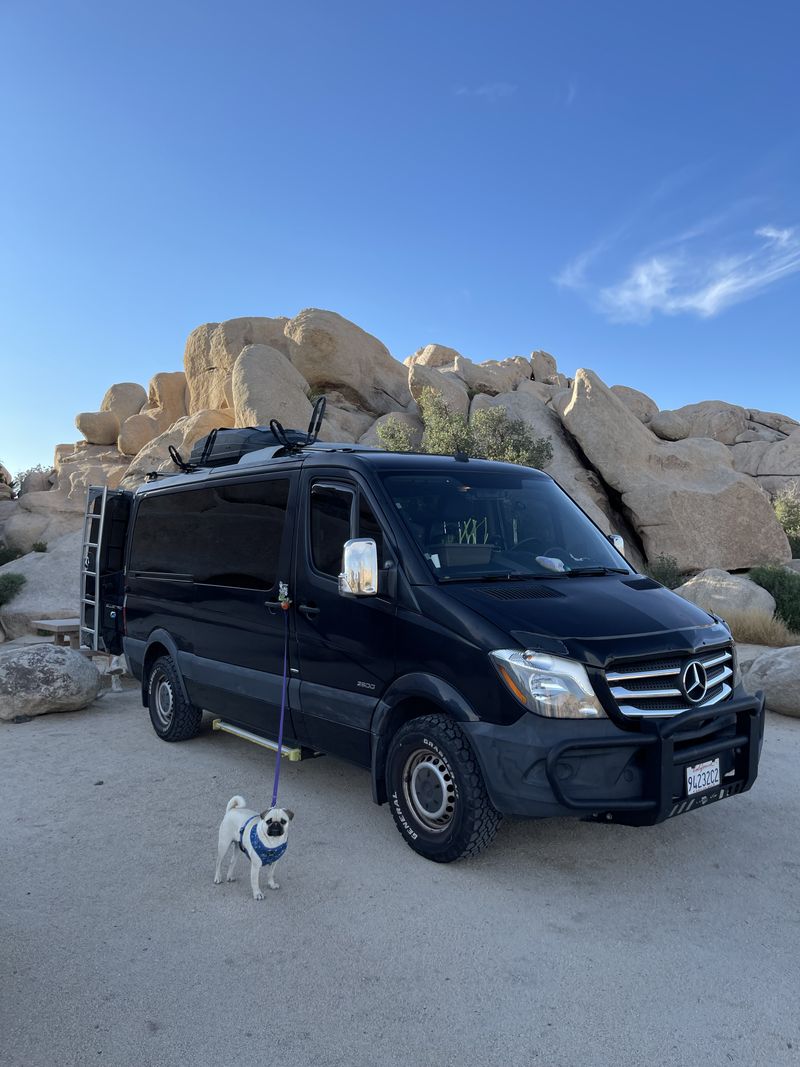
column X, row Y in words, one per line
column 309, row 610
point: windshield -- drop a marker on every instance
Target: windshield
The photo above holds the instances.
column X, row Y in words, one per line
column 499, row 524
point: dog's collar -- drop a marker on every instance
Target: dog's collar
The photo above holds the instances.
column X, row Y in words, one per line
column 266, row 853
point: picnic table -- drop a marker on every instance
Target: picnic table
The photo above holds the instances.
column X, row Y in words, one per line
column 66, row 632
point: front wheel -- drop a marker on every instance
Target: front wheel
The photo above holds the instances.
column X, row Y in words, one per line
column 172, row 716
column 436, row 790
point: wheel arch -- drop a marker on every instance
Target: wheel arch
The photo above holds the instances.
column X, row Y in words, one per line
column 160, row 643
column 408, row 698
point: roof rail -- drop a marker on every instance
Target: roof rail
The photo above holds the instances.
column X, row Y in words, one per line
column 264, row 455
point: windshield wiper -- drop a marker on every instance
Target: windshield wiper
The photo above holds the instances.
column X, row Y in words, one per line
column 589, row 572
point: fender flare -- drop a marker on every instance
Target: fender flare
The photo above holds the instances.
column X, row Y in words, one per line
column 163, row 637
column 417, row 684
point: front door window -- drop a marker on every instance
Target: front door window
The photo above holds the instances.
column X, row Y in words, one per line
column 332, row 510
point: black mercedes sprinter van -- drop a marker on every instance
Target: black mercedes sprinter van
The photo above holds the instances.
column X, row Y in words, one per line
column 459, row 627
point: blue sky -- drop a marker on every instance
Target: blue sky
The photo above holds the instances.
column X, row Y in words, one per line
column 614, row 182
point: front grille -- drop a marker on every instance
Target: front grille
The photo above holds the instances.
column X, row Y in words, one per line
column 654, row 686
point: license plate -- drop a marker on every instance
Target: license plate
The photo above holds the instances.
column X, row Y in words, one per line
column 702, row 776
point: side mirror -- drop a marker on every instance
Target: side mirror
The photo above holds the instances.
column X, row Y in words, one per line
column 618, row 541
column 359, row 575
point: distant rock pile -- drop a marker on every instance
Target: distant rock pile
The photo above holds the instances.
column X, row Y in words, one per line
column 693, row 484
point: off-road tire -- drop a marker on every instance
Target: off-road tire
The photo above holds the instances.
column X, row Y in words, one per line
column 435, row 746
column 178, row 720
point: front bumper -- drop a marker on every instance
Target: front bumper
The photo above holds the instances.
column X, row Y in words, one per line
column 549, row 767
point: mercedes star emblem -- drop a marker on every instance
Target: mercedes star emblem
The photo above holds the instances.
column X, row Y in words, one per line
column 695, row 681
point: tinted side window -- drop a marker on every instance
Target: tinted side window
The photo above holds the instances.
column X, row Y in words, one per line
column 238, row 538
column 229, row 535
column 331, row 526
column 160, row 533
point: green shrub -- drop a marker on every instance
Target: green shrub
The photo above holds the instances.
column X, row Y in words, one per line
column 396, row 436
column 37, row 468
column 784, row 585
column 664, row 569
column 10, row 585
column 39, row 546
column 445, row 433
column 498, row 436
column 491, row 434
column 787, row 512
column 8, row 555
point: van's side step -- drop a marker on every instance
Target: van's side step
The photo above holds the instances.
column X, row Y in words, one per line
column 294, row 755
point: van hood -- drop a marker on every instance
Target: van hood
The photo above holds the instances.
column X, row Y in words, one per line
column 592, row 618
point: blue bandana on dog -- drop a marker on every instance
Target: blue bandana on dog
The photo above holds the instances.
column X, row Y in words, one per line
column 266, row 854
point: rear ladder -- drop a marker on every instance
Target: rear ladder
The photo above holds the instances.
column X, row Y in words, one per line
column 90, row 566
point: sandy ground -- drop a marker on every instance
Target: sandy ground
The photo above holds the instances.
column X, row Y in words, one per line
column 565, row 944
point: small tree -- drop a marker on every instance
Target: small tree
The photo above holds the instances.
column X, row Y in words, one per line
column 396, row 436
column 497, row 436
column 784, row 585
column 787, row 512
column 490, row 434
column 19, row 481
column 665, row 569
column 10, row 585
column 445, row 433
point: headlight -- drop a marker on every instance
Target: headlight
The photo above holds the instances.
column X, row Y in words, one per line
column 548, row 685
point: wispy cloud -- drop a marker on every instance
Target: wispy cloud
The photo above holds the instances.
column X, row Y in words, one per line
column 780, row 237
column 573, row 274
column 572, row 92
column 491, row 91
column 704, row 285
column 700, row 268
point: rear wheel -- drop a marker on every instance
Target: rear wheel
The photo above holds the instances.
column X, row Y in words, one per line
column 172, row 716
column 436, row 790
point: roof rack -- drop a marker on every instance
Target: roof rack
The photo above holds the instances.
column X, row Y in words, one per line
column 261, row 456
column 289, row 442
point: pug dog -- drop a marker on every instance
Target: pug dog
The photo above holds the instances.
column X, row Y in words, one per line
column 262, row 838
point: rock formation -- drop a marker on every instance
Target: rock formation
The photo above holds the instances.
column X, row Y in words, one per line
column 694, row 483
column 332, row 353
column 263, row 381
column 684, row 498
column 166, row 402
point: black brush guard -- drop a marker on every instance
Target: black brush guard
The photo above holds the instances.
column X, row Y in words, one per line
column 737, row 728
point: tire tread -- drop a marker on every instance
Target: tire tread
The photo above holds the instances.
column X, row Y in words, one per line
column 186, row 717
column 487, row 818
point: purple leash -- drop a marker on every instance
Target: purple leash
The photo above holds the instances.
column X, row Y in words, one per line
column 285, row 613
